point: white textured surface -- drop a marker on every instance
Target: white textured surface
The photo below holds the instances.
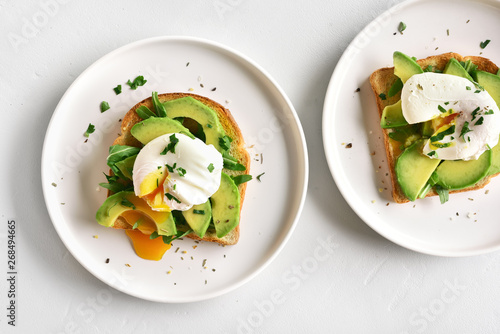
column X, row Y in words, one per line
column 335, row 274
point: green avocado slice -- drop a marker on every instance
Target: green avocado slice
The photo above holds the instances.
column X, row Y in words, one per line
column 226, row 206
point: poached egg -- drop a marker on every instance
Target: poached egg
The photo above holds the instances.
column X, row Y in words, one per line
column 175, row 172
column 465, row 117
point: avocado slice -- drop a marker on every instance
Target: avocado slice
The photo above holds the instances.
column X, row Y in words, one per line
column 413, row 170
column 199, row 217
column 495, row 160
column 392, row 116
column 226, row 206
column 153, row 127
column 123, row 201
column 453, row 67
column 126, row 166
column 490, row 82
column 190, row 107
column 459, row 174
column 404, row 66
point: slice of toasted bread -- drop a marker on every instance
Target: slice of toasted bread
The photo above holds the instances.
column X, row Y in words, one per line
column 382, row 80
column 237, row 151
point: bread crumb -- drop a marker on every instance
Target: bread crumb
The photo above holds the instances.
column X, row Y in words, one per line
column 169, row 272
column 470, row 199
column 190, row 89
column 348, row 145
column 184, row 252
column 380, row 190
column 487, row 192
column 194, row 247
column 373, row 201
column 96, row 236
column 98, row 188
column 54, row 184
column 128, row 265
column 387, row 204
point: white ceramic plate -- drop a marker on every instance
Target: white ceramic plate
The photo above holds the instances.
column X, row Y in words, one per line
column 467, row 224
column 72, row 168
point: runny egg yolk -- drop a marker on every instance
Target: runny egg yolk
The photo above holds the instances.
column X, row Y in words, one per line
column 151, row 189
column 146, row 248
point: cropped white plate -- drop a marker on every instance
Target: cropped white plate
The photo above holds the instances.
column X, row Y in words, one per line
column 72, row 167
column 466, row 225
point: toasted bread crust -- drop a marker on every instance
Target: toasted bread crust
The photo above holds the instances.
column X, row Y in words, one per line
column 237, row 150
column 382, row 79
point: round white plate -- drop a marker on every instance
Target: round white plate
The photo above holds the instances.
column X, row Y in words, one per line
column 72, row 167
column 467, row 224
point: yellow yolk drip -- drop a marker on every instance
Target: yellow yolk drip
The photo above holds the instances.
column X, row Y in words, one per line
column 155, row 200
column 148, row 249
column 153, row 181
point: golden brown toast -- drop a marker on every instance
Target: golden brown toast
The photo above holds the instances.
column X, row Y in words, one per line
column 382, row 80
column 237, row 151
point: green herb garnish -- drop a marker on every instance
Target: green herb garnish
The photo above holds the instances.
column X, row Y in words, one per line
column 172, row 197
column 258, row 176
column 199, row 212
column 395, row 88
column 431, row 153
column 443, row 193
column 126, row 202
column 90, row 129
column 137, row 223
column 181, row 171
column 144, row 112
column 159, row 107
column 209, row 126
column 171, row 146
column 168, row 239
column 171, row 168
column 154, row 235
column 489, row 112
column 118, row 89
column 442, row 134
column 211, row 167
column 138, row 81
column 474, row 113
column 382, row 96
column 479, row 121
column 401, row 27
column 104, row 106
column 225, row 142
column 465, row 129
column 241, row 179
column 468, row 87
column 484, row 44
column 441, row 109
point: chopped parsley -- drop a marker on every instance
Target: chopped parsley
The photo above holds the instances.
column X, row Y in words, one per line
column 401, row 27
column 484, row 44
column 209, row 126
column 90, row 129
column 489, row 112
column 138, row 81
column 211, row 167
column 199, row 212
column 431, row 153
column 474, row 113
column 225, row 142
column 181, row 171
column 479, row 121
column 382, row 96
column 441, row 109
column 171, row 168
column 104, row 106
column 241, row 179
column 442, row 134
column 258, row 176
column 126, row 202
column 154, row 235
column 118, row 89
column 468, row 87
column 172, row 197
column 137, row 223
column 171, row 146
column 465, row 129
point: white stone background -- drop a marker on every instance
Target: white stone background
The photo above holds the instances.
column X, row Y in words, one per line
column 367, row 284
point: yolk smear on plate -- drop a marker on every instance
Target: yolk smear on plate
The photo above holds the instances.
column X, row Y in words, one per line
column 148, row 249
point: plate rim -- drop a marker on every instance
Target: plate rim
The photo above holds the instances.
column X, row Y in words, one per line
column 298, row 133
column 330, row 149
